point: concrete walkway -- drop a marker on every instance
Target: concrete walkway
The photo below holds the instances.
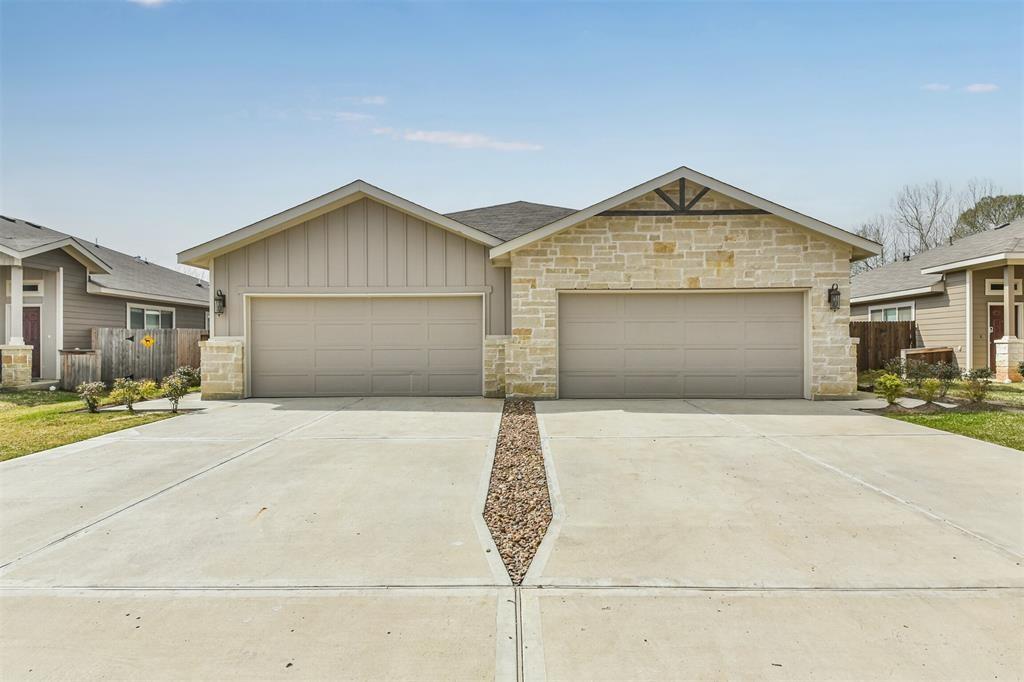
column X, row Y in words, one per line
column 343, row 538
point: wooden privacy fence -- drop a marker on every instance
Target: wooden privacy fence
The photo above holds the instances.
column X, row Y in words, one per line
column 78, row 367
column 881, row 342
column 144, row 353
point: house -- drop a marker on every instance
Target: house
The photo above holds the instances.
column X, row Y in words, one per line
column 56, row 288
column 966, row 296
column 682, row 286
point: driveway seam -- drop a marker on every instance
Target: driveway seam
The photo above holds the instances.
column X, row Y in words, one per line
column 870, row 486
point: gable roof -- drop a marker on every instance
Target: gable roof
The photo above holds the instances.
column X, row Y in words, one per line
column 922, row 274
column 862, row 248
column 508, row 221
column 109, row 272
column 202, row 254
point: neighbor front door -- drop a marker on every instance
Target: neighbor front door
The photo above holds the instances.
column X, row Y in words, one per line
column 30, row 329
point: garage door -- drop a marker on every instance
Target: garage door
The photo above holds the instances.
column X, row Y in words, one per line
column 671, row 345
column 366, row 346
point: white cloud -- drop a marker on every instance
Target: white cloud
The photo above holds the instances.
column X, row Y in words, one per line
column 935, row 87
column 149, row 3
column 459, row 140
column 376, row 100
column 350, row 116
column 982, row 87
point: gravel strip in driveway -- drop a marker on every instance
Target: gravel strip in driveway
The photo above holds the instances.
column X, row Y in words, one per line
column 518, row 508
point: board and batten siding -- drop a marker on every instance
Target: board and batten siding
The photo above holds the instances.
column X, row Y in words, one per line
column 362, row 247
column 941, row 318
column 83, row 311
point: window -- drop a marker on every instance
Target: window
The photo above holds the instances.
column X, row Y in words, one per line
column 29, row 287
column 893, row 312
column 995, row 287
column 150, row 317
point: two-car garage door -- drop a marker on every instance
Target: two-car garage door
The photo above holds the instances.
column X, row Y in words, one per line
column 674, row 345
column 366, row 346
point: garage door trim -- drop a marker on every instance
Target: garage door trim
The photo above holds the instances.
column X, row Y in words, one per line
column 248, row 297
column 805, row 291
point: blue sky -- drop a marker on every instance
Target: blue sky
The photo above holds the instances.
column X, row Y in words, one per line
column 155, row 126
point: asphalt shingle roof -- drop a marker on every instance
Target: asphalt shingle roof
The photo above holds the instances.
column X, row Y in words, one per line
column 508, row 221
column 127, row 273
column 903, row 275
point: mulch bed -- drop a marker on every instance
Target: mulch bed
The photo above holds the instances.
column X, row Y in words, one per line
column 960, row 407
column 518, row 507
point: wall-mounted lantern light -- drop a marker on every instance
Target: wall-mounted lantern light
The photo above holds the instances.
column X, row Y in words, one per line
column 220, row 301
column 833, row 297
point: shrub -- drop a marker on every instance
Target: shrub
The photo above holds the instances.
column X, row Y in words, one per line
column 929, row 390
column 890, row 387
column 91, row 392
column 977, row 383
column 128, row 391
column 894, row 366
column 190, row 375
column 917, row 371
column 1020, row 368
column 947, row 373
column 175, row 388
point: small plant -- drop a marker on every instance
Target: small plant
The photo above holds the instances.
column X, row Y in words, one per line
column 191, row 375
column 917, row 371
column 947, row 373
column 977, row 383
column 894, row 366
column 91, row 392
column 150, row 389
column 1020, row 368
column 929, row 389
column 890, row 387
column 127, row 391
column 175, row 387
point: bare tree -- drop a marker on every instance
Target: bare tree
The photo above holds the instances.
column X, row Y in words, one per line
column 925, row 214
column 878, row 229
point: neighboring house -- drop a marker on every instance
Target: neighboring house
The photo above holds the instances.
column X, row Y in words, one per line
column 966, row 296
column 682, row 286
column 56, row 288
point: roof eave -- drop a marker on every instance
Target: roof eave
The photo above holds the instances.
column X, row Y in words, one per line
column 936, row 288
column 201, row 255
column 1011, row 257
column 70, row 246
column 862, row 248
column 100, row 290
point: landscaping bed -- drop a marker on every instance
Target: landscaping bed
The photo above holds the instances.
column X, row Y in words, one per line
column 518, row 507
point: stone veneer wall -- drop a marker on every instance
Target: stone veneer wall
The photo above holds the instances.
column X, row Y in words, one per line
column 15, row 366
column 494, row 365
column 677, row 252
column 223, row 368
column 1009, row 354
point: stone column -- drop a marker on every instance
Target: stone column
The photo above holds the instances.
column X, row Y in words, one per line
column 15, row 366
column 1010, row 348
column 223, row 368
column 494, row 365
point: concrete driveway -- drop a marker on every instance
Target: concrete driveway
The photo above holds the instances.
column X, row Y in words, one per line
column 342, row 538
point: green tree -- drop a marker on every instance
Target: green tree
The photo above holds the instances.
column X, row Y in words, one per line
column 988, row 213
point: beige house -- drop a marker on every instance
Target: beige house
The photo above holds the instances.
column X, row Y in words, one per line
column 682, row 286
column 56, row 289
column 966, row 296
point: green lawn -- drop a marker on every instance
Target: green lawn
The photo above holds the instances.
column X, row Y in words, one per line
column 31, row 421
column 1003, row 428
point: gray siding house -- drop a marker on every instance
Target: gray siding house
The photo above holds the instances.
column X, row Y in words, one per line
column 966, row 296
column 682, row 286
column 56, row 288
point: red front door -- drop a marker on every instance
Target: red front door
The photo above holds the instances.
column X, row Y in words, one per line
column 30, row 329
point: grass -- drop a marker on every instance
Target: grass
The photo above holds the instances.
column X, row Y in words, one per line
column 1002, row 428
column 31, row 421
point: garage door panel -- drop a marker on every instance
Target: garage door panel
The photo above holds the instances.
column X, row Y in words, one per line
column 651, row 385
column 441, row 333
column 366, row 346
column 350, row 334
column 666, row 359
column 651, row 331
column 741, row 344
